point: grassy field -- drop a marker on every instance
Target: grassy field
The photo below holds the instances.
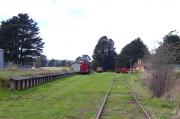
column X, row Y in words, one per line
column 72, row 97
column 80, row 97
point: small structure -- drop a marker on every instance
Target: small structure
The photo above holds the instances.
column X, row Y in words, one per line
column 81, row 67
column 1, row 58
column 122, row 70
column 138, row 66
column 76, row 67
column 84, row 67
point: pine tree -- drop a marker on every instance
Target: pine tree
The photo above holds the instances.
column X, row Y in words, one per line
column 19, row 39
column 104, row 54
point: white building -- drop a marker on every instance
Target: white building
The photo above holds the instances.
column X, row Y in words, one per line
column 1, row 58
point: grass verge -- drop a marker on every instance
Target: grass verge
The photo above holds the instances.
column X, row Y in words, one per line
column 120, row 103
column 73, row 97
column 157, row 107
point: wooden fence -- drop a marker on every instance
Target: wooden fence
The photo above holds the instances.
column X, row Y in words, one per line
column 27, row 82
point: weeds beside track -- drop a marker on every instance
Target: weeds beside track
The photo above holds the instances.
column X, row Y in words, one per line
column 121, row 102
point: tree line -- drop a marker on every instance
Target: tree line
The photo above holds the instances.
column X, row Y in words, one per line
column 19, row 37
column 42, row 61
column 104, row 54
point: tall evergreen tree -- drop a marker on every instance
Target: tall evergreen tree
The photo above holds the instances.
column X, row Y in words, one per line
column 131, row 53
column 104, row 54
column 19, row 39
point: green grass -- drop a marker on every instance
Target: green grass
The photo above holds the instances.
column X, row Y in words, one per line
column 73, row 97
column 120, row 104
column 158, row 108
column 80, row 97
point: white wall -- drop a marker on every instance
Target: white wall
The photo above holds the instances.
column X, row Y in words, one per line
column 1, row 58
column 76, row 67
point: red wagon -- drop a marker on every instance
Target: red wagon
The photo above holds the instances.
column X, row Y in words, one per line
column 84, row 67
column 122, row 70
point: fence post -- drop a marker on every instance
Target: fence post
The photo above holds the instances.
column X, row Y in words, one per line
column 12, row 84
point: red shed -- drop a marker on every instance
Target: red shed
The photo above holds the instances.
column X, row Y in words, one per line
column 84, row 67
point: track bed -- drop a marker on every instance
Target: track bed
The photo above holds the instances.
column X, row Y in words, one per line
column 120, row 104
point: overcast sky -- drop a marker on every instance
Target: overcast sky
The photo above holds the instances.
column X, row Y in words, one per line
column 71, row 28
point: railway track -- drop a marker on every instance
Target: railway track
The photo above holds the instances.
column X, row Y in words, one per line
column 99, row 114
column 121, row 102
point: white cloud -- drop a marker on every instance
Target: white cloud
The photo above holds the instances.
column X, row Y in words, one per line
column 72, row 27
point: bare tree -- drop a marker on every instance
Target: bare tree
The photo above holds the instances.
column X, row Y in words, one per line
column 160, row 65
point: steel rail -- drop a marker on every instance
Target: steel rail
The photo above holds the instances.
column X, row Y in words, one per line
column 98, row 116
column 139, row 104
